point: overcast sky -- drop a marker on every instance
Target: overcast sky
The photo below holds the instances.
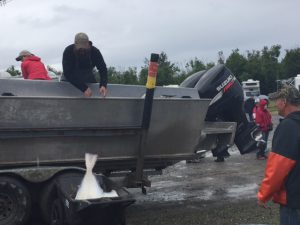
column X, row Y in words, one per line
column 128, row 31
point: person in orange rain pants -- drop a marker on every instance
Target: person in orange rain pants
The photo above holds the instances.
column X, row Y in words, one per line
column 281, row 182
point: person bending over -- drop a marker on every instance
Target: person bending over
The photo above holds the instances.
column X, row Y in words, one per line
column 32, row 67
column 79, row 60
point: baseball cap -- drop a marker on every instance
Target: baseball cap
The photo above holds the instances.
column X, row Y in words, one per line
column 288, row 92
column 82, row 40
column 22, row 54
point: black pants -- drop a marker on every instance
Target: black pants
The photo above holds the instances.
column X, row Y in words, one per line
column 289, row 216
column 250, row 116
column 262, row 151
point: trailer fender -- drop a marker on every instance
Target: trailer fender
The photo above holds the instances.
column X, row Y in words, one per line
column 38, row 174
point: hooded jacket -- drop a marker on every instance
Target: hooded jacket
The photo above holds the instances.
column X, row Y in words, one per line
column 282, row 174
column 33, row 69
column 263, row 117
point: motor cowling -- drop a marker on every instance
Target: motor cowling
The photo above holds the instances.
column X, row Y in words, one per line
column 220, row 85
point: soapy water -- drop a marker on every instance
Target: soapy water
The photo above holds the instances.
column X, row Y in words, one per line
column 90, row 188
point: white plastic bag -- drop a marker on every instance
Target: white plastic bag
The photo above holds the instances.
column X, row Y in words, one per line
column 89, row 188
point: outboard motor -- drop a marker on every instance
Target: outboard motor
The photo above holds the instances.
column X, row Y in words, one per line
column 219, row 84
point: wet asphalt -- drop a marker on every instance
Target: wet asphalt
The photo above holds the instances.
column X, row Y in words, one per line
column 205, row 193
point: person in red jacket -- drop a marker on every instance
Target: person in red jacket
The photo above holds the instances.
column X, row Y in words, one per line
column 281, row 182
column 263, row 120
column 32, row 67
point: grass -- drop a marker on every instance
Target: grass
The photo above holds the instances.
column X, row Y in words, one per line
column 272, row 107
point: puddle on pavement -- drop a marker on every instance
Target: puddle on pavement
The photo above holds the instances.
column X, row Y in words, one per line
column 180, row 165
column 238, row 191
column 205, row 195
column 168, row 196
column 164, row 184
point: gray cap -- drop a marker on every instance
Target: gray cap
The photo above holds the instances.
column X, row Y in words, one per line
column 22, row 54
column 287, row 92
column 82, row 40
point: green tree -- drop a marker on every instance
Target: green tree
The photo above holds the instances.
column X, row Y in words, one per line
column 194, row 65
column 143, row 75
column 130, row 76
column 210, row 65
column 290, row 63
column 270, row 68
column 237, row 63
column 2, row 2
column 263, row 66
column 167, row 71
column 253, row 66
column 13, row 71
column 113, row 76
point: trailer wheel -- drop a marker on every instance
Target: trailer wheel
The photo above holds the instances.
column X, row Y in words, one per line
column 57, row 213
column 15, row 202
column 48, row 194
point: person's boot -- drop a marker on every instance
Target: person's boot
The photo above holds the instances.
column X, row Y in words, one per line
column 261, row 157
column 220, row 159
column 226, row 154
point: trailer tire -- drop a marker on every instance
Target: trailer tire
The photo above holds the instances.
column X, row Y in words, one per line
column 15, row 202
column 57, row 213
column 47, row 195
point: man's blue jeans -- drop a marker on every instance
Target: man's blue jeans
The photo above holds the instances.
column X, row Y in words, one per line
column 289, row 216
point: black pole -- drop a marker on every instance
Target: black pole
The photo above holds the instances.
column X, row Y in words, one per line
column 150, row 87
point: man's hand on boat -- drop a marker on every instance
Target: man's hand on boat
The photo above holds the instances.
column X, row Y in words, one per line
column 88, row 92
column 102, row 90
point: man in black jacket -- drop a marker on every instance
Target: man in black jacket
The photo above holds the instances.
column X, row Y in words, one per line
column 79, row 60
